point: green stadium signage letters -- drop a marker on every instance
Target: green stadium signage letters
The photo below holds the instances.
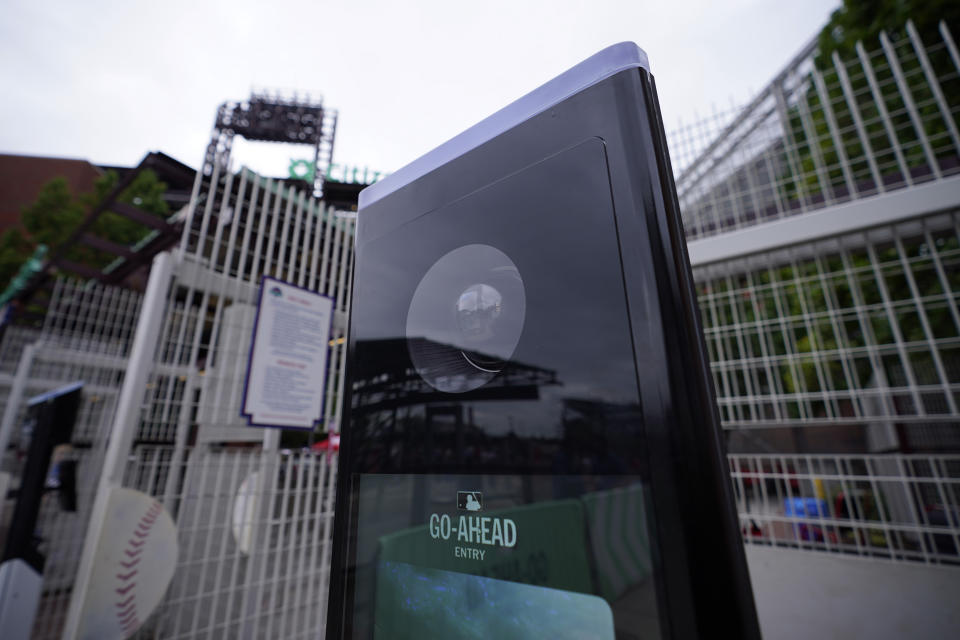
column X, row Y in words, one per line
column 305, row 170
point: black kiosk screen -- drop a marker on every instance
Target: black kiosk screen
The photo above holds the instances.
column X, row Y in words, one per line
column 498, row 463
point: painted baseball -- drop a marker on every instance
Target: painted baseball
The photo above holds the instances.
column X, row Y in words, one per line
column 245, row 512
column 135, row 561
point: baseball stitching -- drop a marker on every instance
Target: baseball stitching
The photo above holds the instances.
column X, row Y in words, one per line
column 126, row 605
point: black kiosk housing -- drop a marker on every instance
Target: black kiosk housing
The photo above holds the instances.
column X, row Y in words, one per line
column 49, row 422
column 530, row 446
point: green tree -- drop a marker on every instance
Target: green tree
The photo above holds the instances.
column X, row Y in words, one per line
column 145, row 192
column 863, row 21
column 53, row 216
column 56, row 213
column 48, row 220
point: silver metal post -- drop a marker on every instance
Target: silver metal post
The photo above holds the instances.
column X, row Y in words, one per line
column 790, row 144
column 813, row 141
column 15, row 397
column 851, row 98
column 951, row 45
column 124, row 427
column 834, row 133
column 891, row 54
column 934, row 84
column 878, row 100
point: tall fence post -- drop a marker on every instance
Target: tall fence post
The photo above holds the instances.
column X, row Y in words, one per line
column 124, row 426
column 15, row 397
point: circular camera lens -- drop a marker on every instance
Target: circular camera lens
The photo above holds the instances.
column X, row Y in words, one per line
column 478, row 309
column 465, row 318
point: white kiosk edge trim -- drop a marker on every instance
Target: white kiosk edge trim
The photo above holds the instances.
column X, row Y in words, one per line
column 614, row 59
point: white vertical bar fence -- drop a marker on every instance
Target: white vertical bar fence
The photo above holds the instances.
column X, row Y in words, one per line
column 128, row 408
column 253, row 518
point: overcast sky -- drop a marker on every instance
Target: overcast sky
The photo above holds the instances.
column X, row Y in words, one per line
column 110, row 81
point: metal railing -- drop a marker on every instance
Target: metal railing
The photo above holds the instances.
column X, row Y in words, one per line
column 187, row 385
column 826, row 131
column 85, row 336
column 179, row 432
column 897, row 507
column 254, row 530
column 251, row 227
column 862, row 329
column 91, row 318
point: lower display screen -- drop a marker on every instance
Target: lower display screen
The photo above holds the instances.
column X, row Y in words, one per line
column 415, row 602
column 473, row 556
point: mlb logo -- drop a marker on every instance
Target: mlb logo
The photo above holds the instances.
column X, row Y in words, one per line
column 469, row 500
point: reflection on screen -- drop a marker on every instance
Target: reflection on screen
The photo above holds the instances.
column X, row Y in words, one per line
column 492, row 380
column 417, row 602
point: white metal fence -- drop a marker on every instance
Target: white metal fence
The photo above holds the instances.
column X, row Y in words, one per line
column 254, row 529
column 253, row 519
column 86, row 336
column 897, row 507
column 823, row 133
column 13, row 343
column 837, row 329
column 179, row 436
column 15, row 339
column 859, row 330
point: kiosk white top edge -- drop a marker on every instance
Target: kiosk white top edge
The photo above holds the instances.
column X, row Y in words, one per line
column 49, row 395
column 607, row 62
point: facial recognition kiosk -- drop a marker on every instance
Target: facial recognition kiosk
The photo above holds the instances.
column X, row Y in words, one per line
column 48, row 423
column 530, row 445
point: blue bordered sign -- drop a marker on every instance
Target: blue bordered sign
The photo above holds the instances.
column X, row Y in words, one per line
column 286, row 370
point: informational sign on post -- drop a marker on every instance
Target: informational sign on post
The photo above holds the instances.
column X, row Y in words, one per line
column 288, row 357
